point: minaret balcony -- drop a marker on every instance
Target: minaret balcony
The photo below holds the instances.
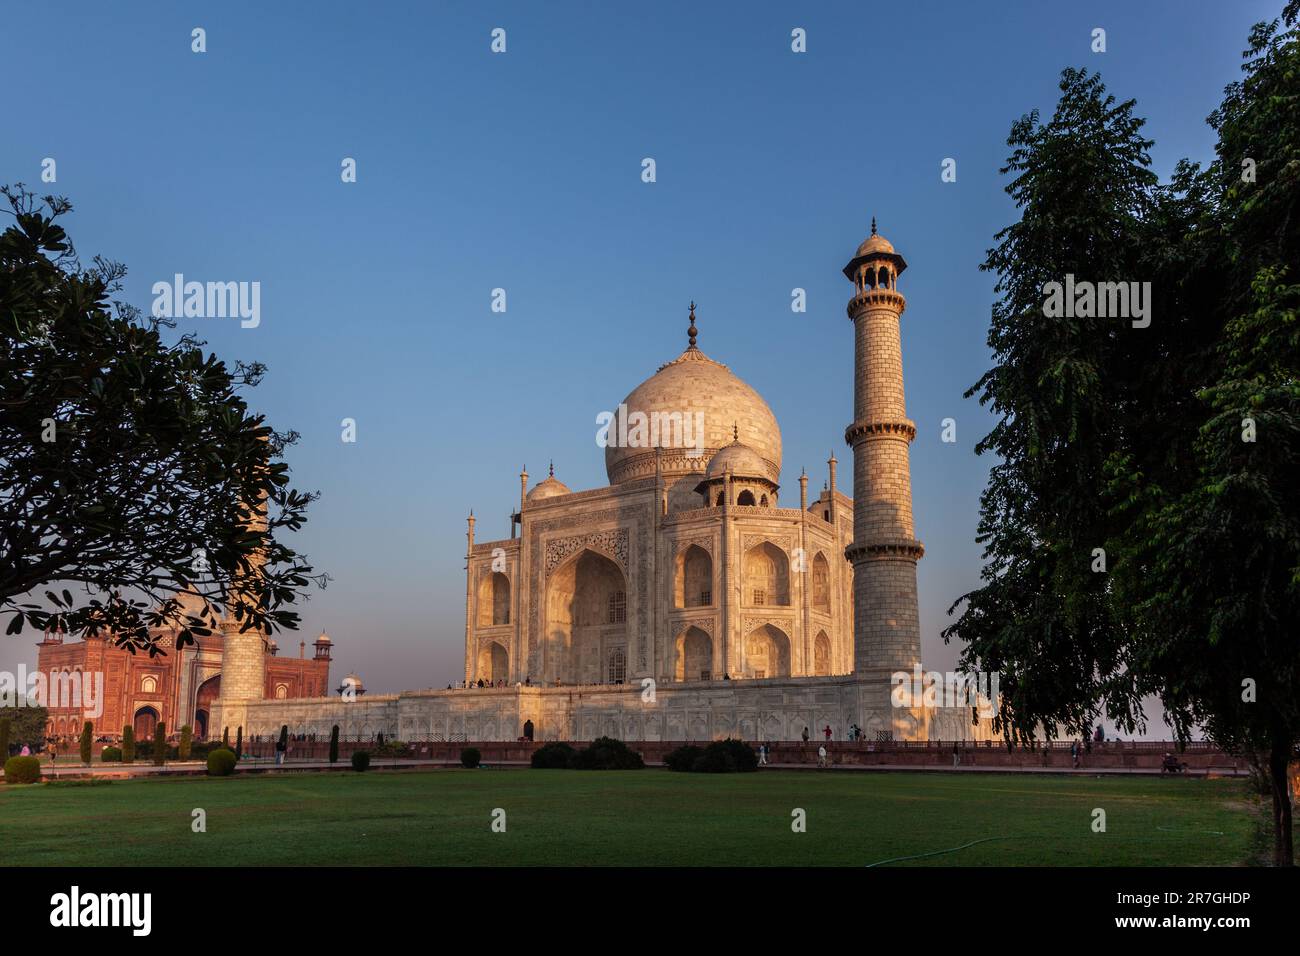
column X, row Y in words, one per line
column 904, row 428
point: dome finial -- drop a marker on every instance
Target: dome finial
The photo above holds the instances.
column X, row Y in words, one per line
column 735, row 432
column 873, row 225
column 552, row 471
column 692, row 331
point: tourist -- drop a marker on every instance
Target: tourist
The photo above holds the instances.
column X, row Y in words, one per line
column 821, row 756
column 280, row 748
column 827, row 732
column 805, row 735
column 26, row 751
column 1074, row 754
column 762, row 755
column 956, row 755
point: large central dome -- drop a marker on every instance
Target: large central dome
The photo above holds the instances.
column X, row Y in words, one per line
column 681, row 391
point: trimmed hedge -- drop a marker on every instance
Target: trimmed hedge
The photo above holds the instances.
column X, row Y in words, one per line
column 721, row 756
column 22, row 770
column 552, row 756
column 360, row 760
column 470, row 758
column 604, row 753
column 683, row 758
column 111, row 755
column 334, row 744
column 221, row 762
column 187, row 739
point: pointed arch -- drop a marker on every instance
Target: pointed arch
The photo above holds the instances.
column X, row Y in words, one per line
column 766, row 576
column 586, row 617
column 821, row 583
column 822, row 655
column 693, row 655
column 767, row 652
column 693, row 577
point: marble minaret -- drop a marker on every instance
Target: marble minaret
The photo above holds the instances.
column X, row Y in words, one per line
column 886, row 624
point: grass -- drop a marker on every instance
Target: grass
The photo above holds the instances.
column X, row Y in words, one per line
column 641, row 818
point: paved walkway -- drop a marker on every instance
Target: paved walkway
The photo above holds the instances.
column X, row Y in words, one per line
column 264, row 765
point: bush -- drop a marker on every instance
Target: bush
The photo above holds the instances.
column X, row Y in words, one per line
column 334, row 744
column 221, row 762
column 553, row 756
column 727, row 756
column 683, row 758
column 22, row 770
column 159, row 744
column 470, row 758
column 183, row 751
column 111, row 755
column 87, row 738
column 393, row 748
column 721, row 756
column 128, row 744
column 360, row 760
column 606, row 753
column 5, row 724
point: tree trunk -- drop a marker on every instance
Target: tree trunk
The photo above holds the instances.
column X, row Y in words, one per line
column 1279, row 759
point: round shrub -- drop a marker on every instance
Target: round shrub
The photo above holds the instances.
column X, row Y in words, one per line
column 552, row 756
column 606, row 753
column 221, row 762
column 683, row 758
column 111, row 755
column 470, row 758
column 360, row 760
column 22, row 770
column 728, row 756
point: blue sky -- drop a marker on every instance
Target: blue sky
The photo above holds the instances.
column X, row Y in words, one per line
column 522, row 171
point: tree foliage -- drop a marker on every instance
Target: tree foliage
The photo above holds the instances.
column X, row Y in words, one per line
column 128, row 464
column 1175, row 449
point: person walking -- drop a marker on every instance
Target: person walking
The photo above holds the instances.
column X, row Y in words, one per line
column 762, row 755
column 280, row 749
column 821, row 756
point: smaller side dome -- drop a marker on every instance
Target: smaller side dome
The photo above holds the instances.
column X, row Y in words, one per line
column 548, row 487
column 323, row 639
column 741, row 460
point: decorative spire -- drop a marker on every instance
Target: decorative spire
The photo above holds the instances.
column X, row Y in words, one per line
column 873, row 225
column 692, row 331
column 552, row 473
column 735, row 432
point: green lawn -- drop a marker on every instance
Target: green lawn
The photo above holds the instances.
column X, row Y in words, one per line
column 639, row 818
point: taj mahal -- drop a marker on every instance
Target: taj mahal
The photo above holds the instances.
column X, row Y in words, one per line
column 683, row 600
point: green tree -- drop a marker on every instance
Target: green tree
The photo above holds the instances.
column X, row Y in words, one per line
column 183, row 748
column 160, row 744
column 128, row 463
column 128, row 744
column 87, row 739
column 239, row 742
column 27, row 725
column 1135, row 441
column 334, row 744
column 1042, row 618
column 1211, row 551
column 6, row 724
